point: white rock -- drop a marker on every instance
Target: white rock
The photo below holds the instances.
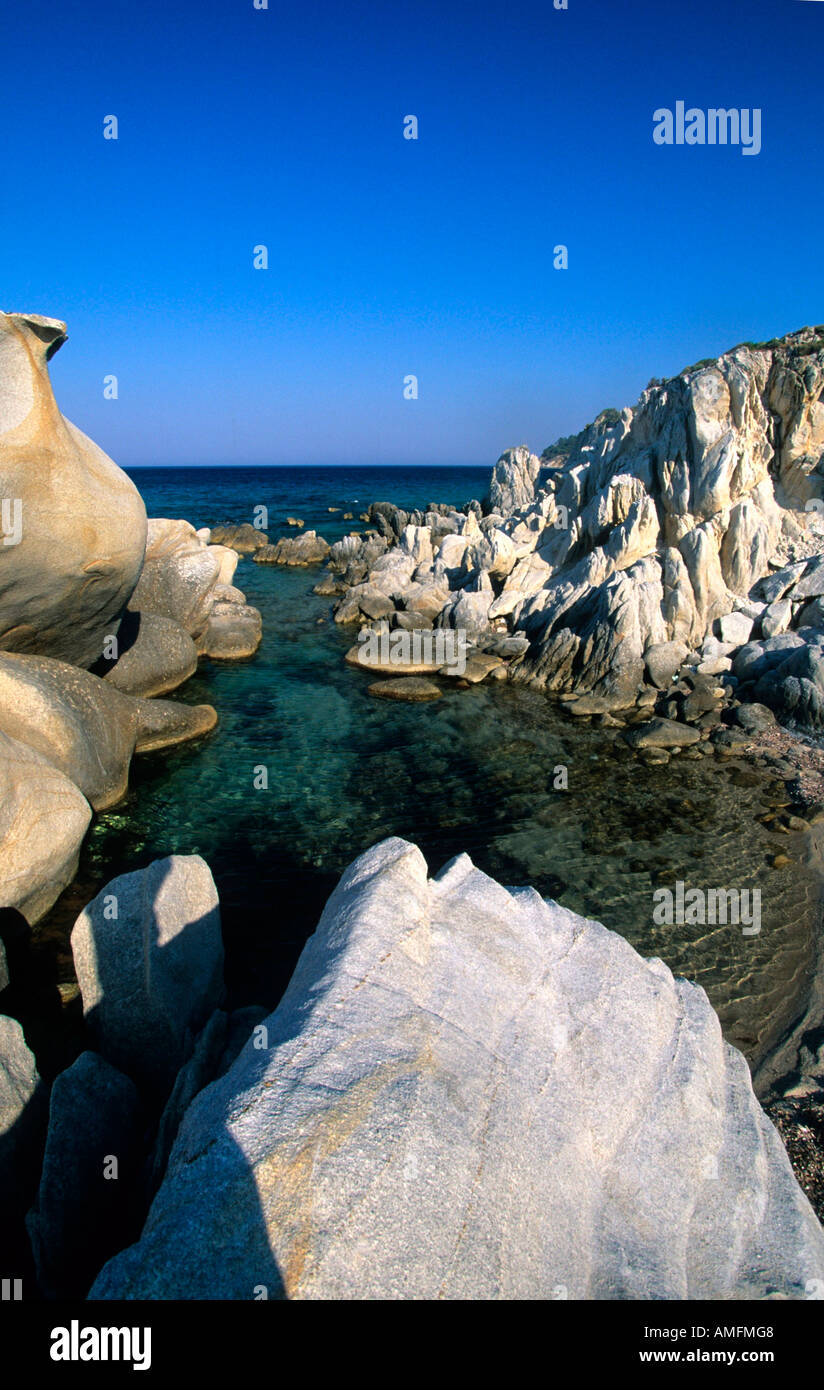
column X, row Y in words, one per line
column 469, row 1093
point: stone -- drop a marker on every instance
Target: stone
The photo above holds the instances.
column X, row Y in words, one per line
column 82, row 524
column 179, row 575
column 777, row 618
column 86, row 728
column 83, row 1208
column 478, row 666
column 661, row 733
column 730, row 739
column 307, row 549
column 714, row 666
column 662, row 660
column 812, row 614
column 473, row 1094
column 243, row 538
column 374, row 604
column 736, row 628
column 513, row 480
column 359, row 656
column 43, row 819
column 756, row 658
column 811, row 584
column 23, row 1118
column 754, row 718
column 201, row 1068
column 150, row 975
column 234, row 631
column 227, row 560
column 155, row 655
column 227, row 593
column 413, row 688
column 780, row 583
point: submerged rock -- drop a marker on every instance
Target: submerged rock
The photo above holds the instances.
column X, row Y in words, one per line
column 472, row 1093
column 662, row 733
column 413, row 688
column 76, row 532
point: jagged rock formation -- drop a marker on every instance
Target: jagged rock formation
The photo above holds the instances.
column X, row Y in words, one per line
column 65, row 581
column 467, row 1092
column 648, row 532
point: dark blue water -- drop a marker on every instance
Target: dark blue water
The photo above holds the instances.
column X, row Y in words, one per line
column 474, row 771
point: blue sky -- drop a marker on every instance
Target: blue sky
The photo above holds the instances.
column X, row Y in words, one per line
column 386, row 256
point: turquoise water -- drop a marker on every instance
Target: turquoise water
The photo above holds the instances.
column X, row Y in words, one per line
column 472, row 772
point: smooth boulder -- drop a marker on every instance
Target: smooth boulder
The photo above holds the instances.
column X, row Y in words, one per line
column 43, row 818
column 87, row 729
column 66, row 579
column 154, row 655
column 148, row 954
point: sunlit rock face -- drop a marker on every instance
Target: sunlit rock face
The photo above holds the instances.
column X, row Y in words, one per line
column 74, row 525
column 470, row 1092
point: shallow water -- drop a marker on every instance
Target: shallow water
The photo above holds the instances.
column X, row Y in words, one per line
column 473, row 772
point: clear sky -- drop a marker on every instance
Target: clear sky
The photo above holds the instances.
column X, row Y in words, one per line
column 389, row 257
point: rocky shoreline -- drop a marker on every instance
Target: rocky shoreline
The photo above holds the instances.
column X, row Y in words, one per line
column 450, row 1055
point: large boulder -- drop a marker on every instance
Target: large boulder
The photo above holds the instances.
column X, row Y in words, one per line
column 87, row 729
column 66, row 579
column 43, row 818
column 148, row 954
column 234, row 631
column 469, row 1093
column 153, row 656
column 243, row 538
column 88, row 1180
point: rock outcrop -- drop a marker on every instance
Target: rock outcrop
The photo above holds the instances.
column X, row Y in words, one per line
column 306, row 549
column 513, row 480
column 647, row 535
column 43, row 818
column 468, row 1092
column 74, row 525
column 84, row 727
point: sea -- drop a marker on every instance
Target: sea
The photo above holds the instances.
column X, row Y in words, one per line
column 475, row 772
